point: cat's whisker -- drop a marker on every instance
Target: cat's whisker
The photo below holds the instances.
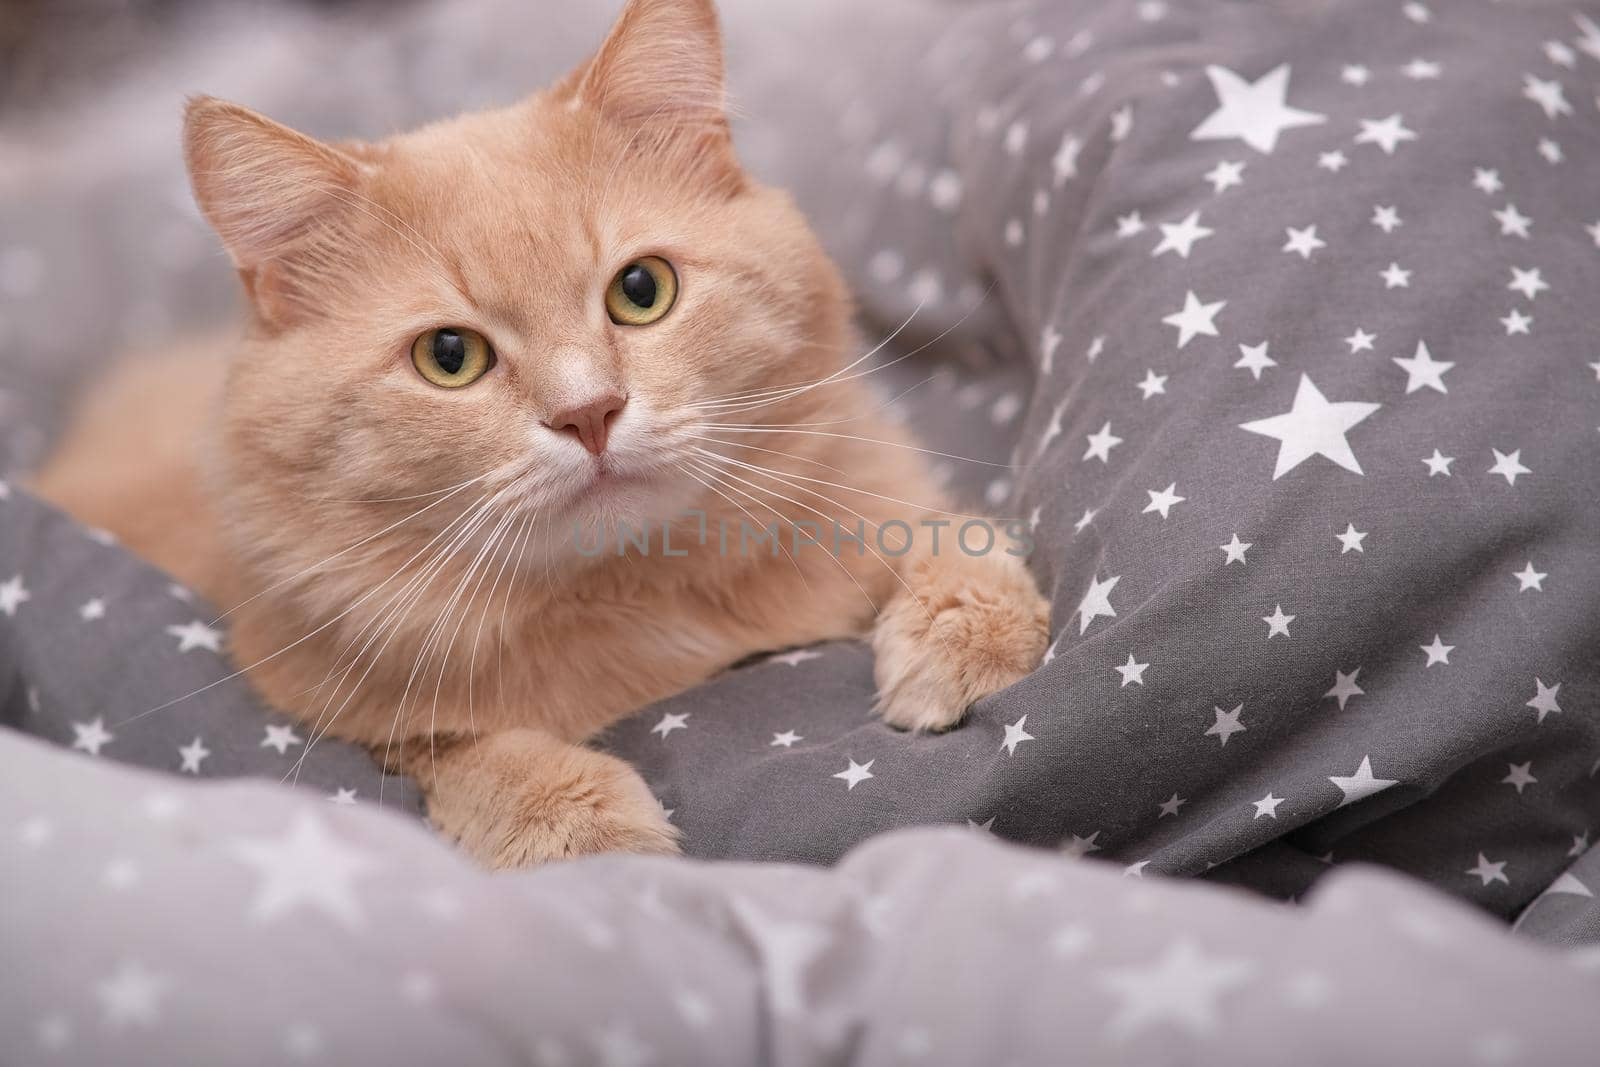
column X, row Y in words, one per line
column 752, row 517
column 343, row 552
column 769, row 451
column 389, row 616
column 712, row 427
column 529, row 526
column 846, row 488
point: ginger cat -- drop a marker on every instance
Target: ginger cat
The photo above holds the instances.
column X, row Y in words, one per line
column 470, row 341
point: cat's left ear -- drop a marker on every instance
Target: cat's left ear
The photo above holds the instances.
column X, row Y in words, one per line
column 660, row 73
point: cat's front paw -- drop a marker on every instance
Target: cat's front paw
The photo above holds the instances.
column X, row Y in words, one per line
column 965, row 628
column 529, row 799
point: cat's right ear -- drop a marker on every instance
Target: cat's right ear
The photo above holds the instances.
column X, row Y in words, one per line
column 272, row 194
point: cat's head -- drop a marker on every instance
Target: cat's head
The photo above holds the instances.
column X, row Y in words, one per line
column 549, row 295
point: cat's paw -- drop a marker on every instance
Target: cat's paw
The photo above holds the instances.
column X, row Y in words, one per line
column 555, row 802
column 965, row 628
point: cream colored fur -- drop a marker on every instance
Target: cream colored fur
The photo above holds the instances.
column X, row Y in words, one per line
column 399, row 558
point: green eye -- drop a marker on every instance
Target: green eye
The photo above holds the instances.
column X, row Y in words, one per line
column 451, row 357
column 642, row 292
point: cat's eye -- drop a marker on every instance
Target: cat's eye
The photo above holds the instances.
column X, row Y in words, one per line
column 642, row 292
column 451, row 357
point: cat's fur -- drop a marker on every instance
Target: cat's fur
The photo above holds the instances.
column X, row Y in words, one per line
column 306, row 485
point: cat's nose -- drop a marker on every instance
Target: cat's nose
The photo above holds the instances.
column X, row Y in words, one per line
column 589, row 421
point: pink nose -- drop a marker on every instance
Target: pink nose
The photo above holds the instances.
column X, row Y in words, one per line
column 590, row 421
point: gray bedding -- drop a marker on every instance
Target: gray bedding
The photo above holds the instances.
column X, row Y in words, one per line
column 1279, row 320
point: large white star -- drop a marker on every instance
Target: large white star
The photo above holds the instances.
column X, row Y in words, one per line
column 280, row 738
column 1489, row 872
column 192, row 755
column 1101, row 444
column 1513, row 223
column 1236, row 550
column 1423, row 370
column 1528, row 578
column 1313, row 426
column 306, row 867
column 1362, row 784
column 1303, row 242
column 1350, row 540
column 1267, row 805
column 1195, row 318
column 1163, row 501
column 1438, row 652
column 1096, row 602
column 1132, row 672
column 1254, row 359
column 1548, row 94
column 1184, row 988
column 1509, row 465
column 1277, row 622
column 1255, row 112
column 1529, row 282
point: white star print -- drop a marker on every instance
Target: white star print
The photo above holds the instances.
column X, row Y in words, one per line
column 1049, row 340
column 1395, row 277
column 343, row 797
column 1355, row 74
column 1559, row 54
column 1544, row 699
column 1195, row 318
column 1529, row 283
column 1439, row 464
column 1334, row 161
column 794, row 658
column 1344, row 687
column 1580, row 844
column 856, row 773
column 784, row 740
column 1079, row 847
column 1101, row 444
column 132, row 996
column 1121, row 123
column 1180, row 237
column 1132, row 672
column 1183, row 989
column 1513, row 223
column 1304, row 241
column 1227, row 724
column 1236, row 550
column 1360, row 341
column 1590, row 41
column 1267, row 805
column 1528, row 578
column 1277, row 622
column 1516, row 322
column 1135, row 870
column 1487, row 181
column 1162, row 501
column 1225, row 175
column 13, row 594
column 1423, row 370
column 1550, row 150
column 1361, row 784
column 1508, row 465
column 1421, row 70
column 92, row 609
column 280, row 738
column 1254, row 112
column 196, row 635
column 1085, row 519
column 1519, row 776
column 1171, row 805
column 1313, row 426
column 1387, row 133
column 91, row 736
column 1130, row 225
column 1254, row 359
column 1096, row 602
column 1386, row 219
column 1438, row 652
column 1153, row 384
column 1096, row 346
column 307, row 867
column 192, row 754
column 1016, row 735
column 1064, row 164
column 670, row 723
column 1489, row 872
column 1350, row 540
column 1548, row 94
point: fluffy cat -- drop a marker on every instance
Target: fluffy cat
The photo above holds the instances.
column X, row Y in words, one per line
column 469, row 341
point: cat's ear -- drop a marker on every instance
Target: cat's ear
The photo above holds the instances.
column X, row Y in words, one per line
column 273, row 195
column 660, row 73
